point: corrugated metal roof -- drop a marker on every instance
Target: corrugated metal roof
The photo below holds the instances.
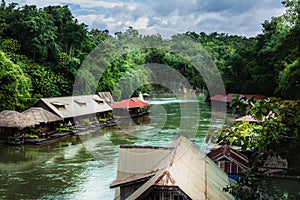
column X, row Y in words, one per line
column 186, row 167
column 74, row 106
column 142, row 159
column 107, row 97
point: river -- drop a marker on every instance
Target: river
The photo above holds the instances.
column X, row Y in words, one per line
column 84, row 167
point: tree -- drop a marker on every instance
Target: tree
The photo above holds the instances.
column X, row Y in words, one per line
column 35, row 30
column 15, row 85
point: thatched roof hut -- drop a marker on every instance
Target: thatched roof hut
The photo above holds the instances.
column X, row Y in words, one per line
column 40, row 115
column 14, row 119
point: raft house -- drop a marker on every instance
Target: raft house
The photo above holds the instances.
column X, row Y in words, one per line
column 33, row 125
column 12, row 126
column 81, row 112
column 179, row 171
column 229, row 97
column 46, row 131
column 233, row 162
column 132, row 107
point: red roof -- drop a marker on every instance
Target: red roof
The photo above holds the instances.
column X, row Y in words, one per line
column 247, row 118
column 229, row 97
column 217, row 97
column 130, row 103
column 255, row 96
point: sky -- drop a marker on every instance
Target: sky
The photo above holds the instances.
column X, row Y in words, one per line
column 235, row 17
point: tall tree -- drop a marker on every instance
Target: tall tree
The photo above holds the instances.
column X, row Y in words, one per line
column 15, row 85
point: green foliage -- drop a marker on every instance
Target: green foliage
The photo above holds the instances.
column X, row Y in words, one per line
column 31, row 136
column 245, row 135
column 244, row 188
column 50, row 45
column 289, row 85
column 277, row 134
column 279, row 129
column 15, row 85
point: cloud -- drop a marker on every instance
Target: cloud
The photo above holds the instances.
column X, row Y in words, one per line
column 239, row 17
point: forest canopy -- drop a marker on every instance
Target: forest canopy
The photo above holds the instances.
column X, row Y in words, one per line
column 41, row 50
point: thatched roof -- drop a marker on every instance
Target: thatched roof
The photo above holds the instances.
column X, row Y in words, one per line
column 40, row 115
column 14, row 119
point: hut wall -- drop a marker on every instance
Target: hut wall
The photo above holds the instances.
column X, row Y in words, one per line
column 126, row 191
column 230, row 167
column 170, row 193
column 8, row 132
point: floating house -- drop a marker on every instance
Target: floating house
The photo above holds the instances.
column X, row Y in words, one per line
column 274, row 164
column 179, row 171
column 233, row 162
column 46, row 120
column 229, row 97
column 79, row 107
column 131, row 107
column 12, row 125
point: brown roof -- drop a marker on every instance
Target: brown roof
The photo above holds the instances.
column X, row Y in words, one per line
column 14, row 119
column 74, row 106
column 228, row 153
column 184, row 167
column 41, row 115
